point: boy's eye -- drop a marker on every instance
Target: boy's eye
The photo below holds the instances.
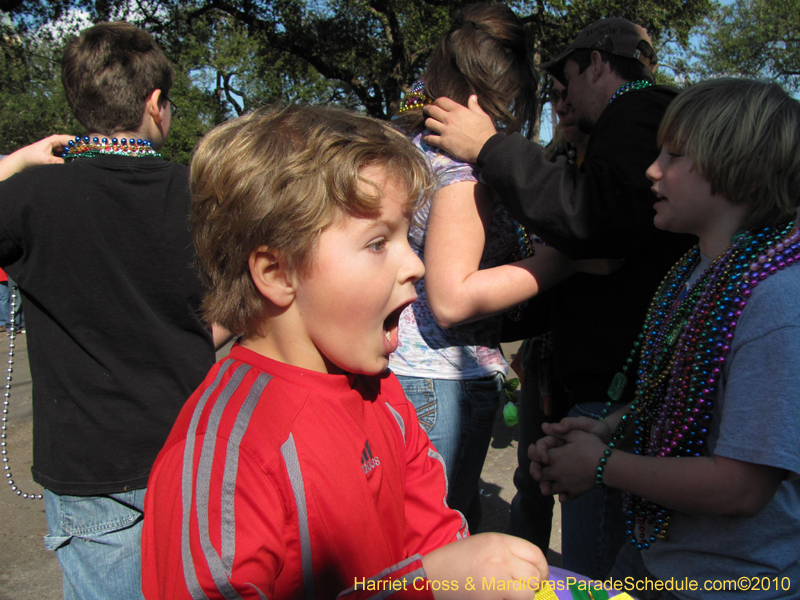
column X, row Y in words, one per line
column 377, row 245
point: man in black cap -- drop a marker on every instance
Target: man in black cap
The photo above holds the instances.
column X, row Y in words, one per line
column 601, row 209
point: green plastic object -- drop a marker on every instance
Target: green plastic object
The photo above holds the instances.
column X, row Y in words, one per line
column 510, row 414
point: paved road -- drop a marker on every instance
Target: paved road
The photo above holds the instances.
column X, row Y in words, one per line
column 28, row 572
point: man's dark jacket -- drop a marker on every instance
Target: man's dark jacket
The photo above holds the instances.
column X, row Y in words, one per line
column 602, row 209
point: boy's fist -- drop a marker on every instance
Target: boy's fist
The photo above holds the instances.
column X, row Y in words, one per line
column 487, row 566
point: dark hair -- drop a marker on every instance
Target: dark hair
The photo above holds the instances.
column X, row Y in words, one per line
column 629, row 69
column 109, row 71
column 485, row 53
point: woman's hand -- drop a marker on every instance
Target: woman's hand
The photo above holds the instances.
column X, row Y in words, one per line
column 38, row 153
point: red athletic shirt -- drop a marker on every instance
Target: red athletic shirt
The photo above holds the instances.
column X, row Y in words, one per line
column 278, row 482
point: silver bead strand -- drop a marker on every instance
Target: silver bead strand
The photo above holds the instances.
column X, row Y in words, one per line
column 6, row 403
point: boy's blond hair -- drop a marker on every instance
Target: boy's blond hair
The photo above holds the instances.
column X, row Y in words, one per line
column 278, row 177
column 744, row 137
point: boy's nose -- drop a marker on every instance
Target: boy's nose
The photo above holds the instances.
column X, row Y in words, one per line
column 413, row 270
column 653, row 173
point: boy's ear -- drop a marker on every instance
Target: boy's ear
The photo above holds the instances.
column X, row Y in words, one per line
column 269, row 273
column 152, row 106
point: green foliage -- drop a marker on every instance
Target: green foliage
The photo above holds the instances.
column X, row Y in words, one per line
column 33, row 101
column 195, row 117
column 756, row 38
column 234, row 55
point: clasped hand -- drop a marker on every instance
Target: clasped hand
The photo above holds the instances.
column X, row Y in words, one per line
column 565, row 461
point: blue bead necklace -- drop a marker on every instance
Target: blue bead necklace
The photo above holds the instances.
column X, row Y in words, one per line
column 85, row 147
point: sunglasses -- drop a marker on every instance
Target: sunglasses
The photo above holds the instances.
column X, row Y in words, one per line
column 555, row 95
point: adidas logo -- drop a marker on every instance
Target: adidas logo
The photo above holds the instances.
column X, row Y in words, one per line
column 368, row 462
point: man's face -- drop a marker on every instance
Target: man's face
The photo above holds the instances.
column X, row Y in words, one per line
column 566, row 113
column 583, row 95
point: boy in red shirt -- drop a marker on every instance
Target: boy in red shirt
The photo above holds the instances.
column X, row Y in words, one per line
column 298, row 468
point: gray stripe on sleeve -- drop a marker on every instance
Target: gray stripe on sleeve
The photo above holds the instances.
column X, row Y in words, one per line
column 189, row 573
column 436, row 456
column 261, row 594
column 402, row 564
column 411, row 576
column 204, row 484
column 289, row 452
column 464, row 527
column 400, row 422
column 228, row 510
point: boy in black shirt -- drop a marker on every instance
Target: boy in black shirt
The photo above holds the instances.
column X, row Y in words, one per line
column 101, row 250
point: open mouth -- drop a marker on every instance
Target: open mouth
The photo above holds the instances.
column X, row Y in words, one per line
column 391, row 322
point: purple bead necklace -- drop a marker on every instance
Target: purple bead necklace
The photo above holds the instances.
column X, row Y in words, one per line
column 682, row 351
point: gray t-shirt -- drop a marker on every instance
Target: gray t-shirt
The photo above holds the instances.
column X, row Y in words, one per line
column 757, row 420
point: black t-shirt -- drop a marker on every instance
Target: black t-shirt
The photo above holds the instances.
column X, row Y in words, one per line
column 102, row 253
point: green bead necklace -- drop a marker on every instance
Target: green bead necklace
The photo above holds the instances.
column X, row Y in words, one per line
column 681, row 353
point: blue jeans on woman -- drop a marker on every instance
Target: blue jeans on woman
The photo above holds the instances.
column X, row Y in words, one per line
column 458, row 417
column 97, row 541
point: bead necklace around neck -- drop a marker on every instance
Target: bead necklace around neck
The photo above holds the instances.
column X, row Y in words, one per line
column 416, row 98
column 639, row 84
column 85, row 147
column 676, row 393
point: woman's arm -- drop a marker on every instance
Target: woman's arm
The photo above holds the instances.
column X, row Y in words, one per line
column 38, row 153
column 458, row 292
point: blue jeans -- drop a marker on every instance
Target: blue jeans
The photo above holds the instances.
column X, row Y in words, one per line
column 458, row 417
column 593, row 526
column 97, row 540
column 19, row 317
column 5, row 299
